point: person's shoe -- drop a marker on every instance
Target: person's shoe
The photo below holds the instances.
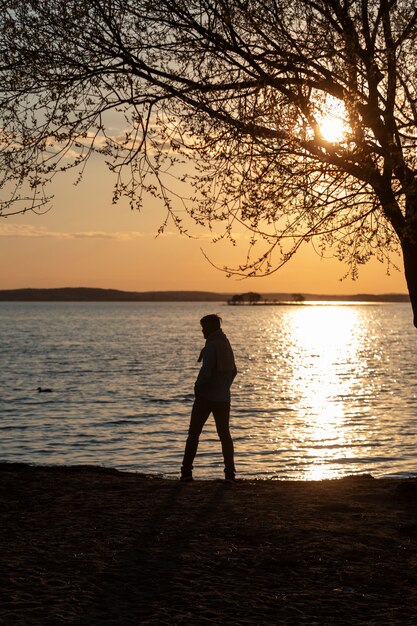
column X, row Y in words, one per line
column 186, row 477
column 229, row 477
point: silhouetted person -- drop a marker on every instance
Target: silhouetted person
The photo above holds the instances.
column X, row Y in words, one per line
column 212, row 395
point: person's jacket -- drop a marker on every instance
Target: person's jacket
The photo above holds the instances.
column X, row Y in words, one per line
column 218, row 369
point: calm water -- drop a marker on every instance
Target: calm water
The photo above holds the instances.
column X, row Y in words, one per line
column 322, row 391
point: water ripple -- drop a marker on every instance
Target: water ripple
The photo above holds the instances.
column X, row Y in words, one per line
column 321, row 391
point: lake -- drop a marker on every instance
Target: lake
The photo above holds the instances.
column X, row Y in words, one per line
column 322, row 391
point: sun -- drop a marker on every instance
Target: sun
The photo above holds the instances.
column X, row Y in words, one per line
column 332, row 129
column 332, row 120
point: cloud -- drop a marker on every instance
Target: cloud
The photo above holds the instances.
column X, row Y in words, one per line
column 27, row 231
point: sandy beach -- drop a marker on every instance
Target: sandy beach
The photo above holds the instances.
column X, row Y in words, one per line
column 93, row 546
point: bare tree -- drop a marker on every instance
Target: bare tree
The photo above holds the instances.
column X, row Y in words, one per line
column 240, row 89
column 253, row 298
column 298, row 297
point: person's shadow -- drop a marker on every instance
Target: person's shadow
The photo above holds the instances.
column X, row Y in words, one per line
column 138, row 582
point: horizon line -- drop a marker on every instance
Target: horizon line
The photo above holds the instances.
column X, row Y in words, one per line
column 266, row 294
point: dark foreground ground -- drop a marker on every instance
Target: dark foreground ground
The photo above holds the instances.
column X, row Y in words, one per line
column 91, row 546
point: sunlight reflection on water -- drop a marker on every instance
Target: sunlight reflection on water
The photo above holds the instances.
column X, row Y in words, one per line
column 325, row 343
column 338, row 379
column 322, row 391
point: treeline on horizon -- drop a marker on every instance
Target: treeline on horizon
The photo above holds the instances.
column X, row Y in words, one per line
column 88, row 294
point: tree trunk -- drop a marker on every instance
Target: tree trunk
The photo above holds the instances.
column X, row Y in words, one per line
column 410, row 269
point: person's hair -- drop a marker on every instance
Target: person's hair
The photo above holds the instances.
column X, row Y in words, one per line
column 211, row 321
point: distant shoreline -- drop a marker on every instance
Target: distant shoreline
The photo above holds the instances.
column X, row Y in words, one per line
column 87, row 294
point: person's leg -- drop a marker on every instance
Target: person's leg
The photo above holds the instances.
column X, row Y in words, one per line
column 199, row 414
column 221, row 413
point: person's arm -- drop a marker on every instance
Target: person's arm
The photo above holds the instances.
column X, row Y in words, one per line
column 209, row 365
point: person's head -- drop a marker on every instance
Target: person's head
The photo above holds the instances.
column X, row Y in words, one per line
column 210, row 323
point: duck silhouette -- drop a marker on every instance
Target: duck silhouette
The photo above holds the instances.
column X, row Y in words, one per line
column 44, row 390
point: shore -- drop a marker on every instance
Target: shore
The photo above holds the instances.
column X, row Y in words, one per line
column 93, row 546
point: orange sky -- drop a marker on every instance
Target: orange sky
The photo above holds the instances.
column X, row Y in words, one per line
column 86, row 241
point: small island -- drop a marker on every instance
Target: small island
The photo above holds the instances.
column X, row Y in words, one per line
column 251, row 298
